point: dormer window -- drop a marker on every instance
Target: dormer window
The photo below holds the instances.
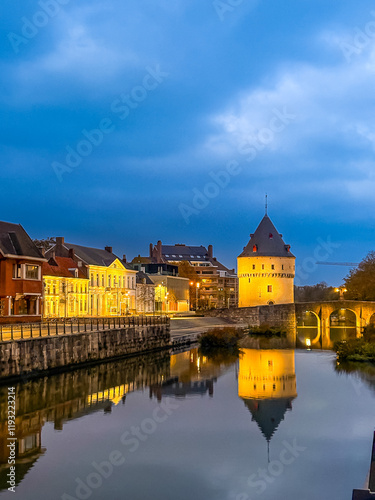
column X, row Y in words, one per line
column 255, row 248
column 270, row 236
column 287, row 248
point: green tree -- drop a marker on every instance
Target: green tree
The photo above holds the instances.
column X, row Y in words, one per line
column 360, row 282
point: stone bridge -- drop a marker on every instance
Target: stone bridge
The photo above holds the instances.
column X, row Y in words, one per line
column 316, row 324
column 333, row 320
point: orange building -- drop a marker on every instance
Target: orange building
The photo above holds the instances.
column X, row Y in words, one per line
column 21, row 283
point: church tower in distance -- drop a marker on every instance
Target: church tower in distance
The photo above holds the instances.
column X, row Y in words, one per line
column 266, row 268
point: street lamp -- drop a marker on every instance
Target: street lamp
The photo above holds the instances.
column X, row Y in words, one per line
column 341, row 290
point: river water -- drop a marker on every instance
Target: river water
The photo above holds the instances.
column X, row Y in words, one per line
column 275, row 424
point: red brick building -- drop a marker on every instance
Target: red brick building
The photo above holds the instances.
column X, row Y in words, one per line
column 21, row 285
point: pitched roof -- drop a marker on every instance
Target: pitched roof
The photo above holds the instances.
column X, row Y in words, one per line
column 61, row 267
column 143, row 278
column 141, row 260
column 14, row 240
column 266, row 242
column 184, row 252
column 176, row 253
column 93, row 256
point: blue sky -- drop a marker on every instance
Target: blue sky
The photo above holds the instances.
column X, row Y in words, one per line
column 280, row 96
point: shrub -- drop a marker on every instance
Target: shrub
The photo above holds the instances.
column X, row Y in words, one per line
column 355, row 350
column 220, row 337
column 267, row 331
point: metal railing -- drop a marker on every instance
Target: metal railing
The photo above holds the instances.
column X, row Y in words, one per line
column 70, row 326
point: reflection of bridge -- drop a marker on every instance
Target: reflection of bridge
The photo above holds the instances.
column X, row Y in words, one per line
column 322, row 323
column 316, row 324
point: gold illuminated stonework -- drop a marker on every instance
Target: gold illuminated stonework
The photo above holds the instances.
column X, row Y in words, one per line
column 266, row 269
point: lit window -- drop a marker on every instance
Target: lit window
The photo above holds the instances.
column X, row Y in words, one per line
column 269, row 288
column 32, row 272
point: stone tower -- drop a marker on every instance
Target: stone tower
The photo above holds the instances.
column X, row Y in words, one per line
column 266, row 268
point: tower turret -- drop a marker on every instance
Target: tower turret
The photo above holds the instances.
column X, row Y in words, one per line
column 266, row 268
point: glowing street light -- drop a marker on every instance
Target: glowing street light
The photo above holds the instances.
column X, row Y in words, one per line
column 341, row 290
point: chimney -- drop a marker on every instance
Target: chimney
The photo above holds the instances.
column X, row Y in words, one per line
column 210, row 251
column 43, row 250
column 159, row 250
column 124, row 258
column 108, row 249
column 71, row 253
column 60, row 241
column 150, row 250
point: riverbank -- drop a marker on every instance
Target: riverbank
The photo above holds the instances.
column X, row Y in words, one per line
column 358, row 350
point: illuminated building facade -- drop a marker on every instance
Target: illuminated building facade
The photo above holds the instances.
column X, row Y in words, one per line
column 145, row 293
column 21, row 286
column 171, row 291
column 66, row 289
column 266, row 268
column 112, row 282
column 218, row 284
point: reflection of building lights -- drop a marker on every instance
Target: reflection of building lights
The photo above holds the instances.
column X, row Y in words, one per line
column 308, row 342
column 198, row 362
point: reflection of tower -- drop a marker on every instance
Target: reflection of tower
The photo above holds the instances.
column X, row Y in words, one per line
column 267, row 384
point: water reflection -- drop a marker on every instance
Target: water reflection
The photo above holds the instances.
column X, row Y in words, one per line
column 267, row 385
column 70, row 396
column 209, row 447
column 191, row 374
column 365, row 372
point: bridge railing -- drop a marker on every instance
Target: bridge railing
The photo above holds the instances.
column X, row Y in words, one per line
column 70, row 326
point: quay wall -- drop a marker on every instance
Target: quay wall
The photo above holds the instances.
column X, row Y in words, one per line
column 283, row 315
column 23, row 357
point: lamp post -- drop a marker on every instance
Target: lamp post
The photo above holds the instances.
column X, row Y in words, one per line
column 341, row 290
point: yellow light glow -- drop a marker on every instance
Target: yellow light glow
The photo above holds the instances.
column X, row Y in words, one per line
column 308, row 342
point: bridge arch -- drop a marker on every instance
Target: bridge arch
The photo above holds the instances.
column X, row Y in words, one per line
column 308, row 328
column 343, row 324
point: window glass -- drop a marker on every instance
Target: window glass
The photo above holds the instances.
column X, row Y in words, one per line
column 32, row 272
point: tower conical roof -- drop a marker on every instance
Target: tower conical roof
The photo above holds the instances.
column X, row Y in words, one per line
column 268, row 413
column 266, row 242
